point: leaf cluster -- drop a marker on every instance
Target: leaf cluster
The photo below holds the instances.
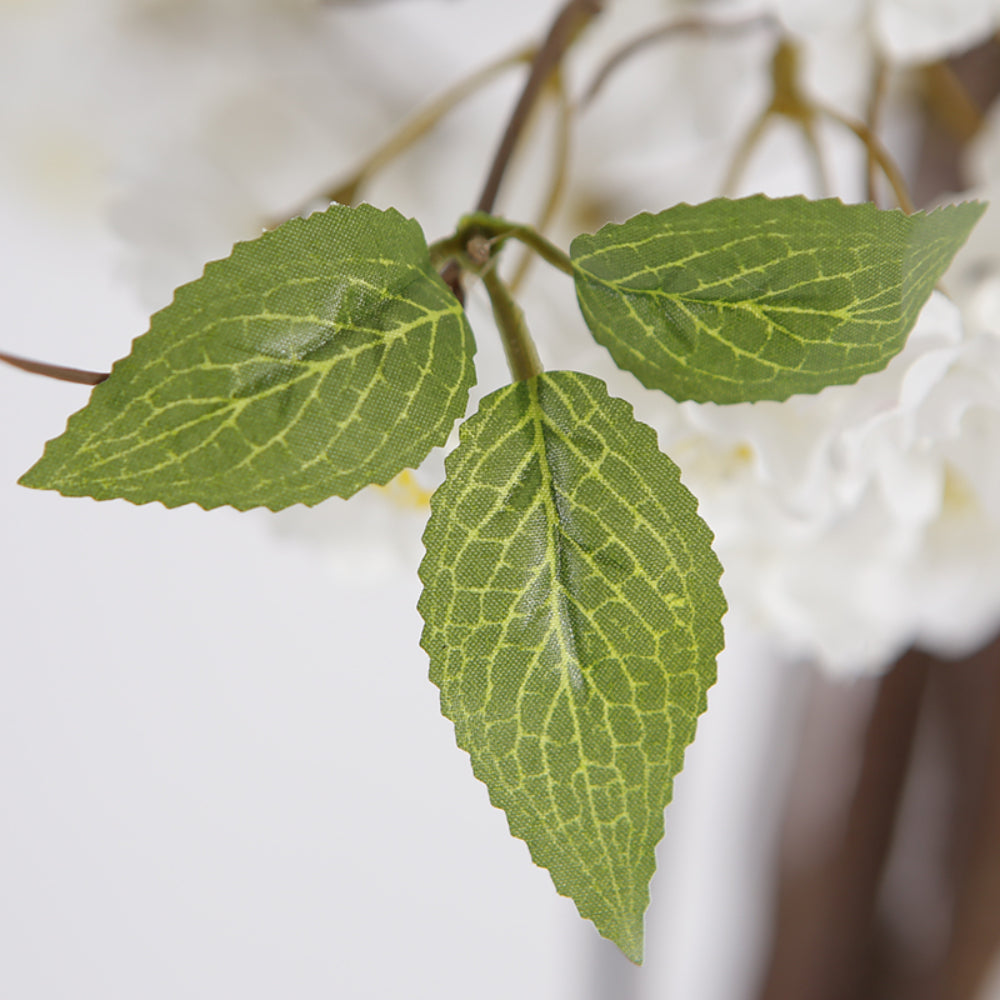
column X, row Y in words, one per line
column 571, row 597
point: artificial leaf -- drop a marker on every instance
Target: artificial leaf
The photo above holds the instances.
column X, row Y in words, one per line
column 760, row 298
column 319, row 358
column 572, row 609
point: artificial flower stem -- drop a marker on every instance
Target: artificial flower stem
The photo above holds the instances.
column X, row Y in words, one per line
column 60, row 372
column 741, row 156
column 572, row 18
column 522, row 358
column 873, row 120
column 413, row 130
column 423, row 121
column 549, row 252
column 497, row 231
column 878, row 152
column 664, row 32
column 815, row 153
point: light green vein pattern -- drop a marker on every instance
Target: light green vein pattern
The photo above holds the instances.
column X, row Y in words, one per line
column 317, row 359
column 736, row 301
column 572, row 609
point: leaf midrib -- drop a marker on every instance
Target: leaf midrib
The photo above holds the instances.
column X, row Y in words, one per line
column 562, row 613
column 682, row 301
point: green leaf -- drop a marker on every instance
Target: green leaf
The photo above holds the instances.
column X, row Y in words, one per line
column 317, row 359
column 737, row 301
column 572, row 609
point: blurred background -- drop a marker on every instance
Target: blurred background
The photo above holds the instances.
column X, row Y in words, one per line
column 223, row 771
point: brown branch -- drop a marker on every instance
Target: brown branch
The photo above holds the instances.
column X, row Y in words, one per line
column 570, row 21
column 451, row 275
column 974, row 940
column 78, row 375
column 821, row 947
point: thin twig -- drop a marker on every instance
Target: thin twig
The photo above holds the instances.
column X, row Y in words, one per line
column 788, row 102
column 412, row 131
column 815, row 151
column 874, row 145
column 741, row 155
column 570, row 21
column 78, row 375
column 662, row 33
column 873, row 116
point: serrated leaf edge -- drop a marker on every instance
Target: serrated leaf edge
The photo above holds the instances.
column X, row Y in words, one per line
column 297, row 222
column 715, row 648
column 867, row 207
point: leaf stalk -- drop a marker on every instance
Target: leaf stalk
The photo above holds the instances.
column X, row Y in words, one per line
column 522, row 358
column 457, row 249
column 498, row 231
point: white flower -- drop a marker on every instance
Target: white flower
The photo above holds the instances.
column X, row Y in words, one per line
column 958, row 588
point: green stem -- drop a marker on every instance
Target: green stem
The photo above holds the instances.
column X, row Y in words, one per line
column 549, row 252
column 517, row 343
column 450, row 247
column 741, row 156
column 421, row 123
column 808, row 126
column 876, row 99
column 497, row 231
column 473, row 247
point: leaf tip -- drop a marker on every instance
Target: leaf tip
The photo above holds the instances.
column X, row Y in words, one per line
column 628, row 937
column 31, row 480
